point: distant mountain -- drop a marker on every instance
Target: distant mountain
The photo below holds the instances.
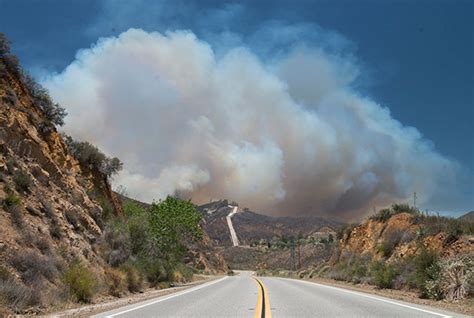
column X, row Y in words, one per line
column 251, row 226
column 469, row 216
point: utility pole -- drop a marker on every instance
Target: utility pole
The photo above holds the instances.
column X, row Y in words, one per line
column 299, row 256
column 414, row 199
column 292, row 256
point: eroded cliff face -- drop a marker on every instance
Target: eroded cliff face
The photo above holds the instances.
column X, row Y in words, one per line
column 47, row 214
column 402, row 236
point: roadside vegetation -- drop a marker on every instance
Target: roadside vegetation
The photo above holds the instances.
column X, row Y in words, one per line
column 128, row 252
column 146, row 247
column 426, row 271
column 137, row 251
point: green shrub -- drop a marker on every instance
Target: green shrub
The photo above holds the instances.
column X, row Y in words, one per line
column 133, row 277
column 131, row 209
column 53, row 112
column 383, row 275
column 4, row 273
column 383, row 215
column 396, row 208
column 425, row 269
column 16, row 215
column 153, row 269
column 351, row 268
column 55, row 230
column 453, row 233
column 11, row 201
column 107, row 207
column 11, row 163
column 22, row 181
column 185, row 272
column 139, row 234
column 90, row 156
column 404, row 208
column 81, row 282
column 431, row 288
column 116, row 281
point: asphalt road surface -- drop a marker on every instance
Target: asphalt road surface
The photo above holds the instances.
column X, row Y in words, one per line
column 244, row 296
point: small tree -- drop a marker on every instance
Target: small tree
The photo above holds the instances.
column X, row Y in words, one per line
column 54, row 113
column 111, row 166
column 172, row 223
column 89, row 155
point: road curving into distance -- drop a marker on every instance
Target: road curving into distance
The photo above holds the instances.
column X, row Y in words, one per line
column 244, row 295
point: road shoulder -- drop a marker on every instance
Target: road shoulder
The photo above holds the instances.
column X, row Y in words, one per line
column 108, row 304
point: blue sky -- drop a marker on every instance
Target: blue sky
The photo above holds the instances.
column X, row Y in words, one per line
column 414, row 57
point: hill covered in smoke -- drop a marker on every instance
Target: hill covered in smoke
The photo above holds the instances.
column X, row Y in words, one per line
column 290, row 136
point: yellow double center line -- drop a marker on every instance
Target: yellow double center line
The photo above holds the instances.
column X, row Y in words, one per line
column 262, row 310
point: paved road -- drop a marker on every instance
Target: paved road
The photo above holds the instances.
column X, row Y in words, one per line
column 238, row 296
column 233, row 235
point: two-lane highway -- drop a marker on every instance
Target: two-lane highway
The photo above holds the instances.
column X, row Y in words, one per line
column 244, row 296
column 232, row 296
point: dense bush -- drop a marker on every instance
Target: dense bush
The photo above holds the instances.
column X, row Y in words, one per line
column 12, row 205
column 55, row 230
column 452, row 278
column 32, row 265
column 16, row 215
column 17, row 296
column 133, row 277
column 80, row 282
column 149, row 244
column 383, row 274
column 425, row 263
column 385, row 214
column 116, row 281
column 11, row 200
column 404, row 208
column 53, row 112
column 90, row 156
column 22, row 180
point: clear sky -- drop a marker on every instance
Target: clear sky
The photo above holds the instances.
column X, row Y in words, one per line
column 415, row 57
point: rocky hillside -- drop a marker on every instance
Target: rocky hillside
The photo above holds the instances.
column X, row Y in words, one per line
column 64, row 235
column 48, row 219
column 402, row 248
column 252, row 227
column 401, row 236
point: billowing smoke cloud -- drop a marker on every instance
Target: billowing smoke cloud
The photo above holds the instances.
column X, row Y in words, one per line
column 290, row 137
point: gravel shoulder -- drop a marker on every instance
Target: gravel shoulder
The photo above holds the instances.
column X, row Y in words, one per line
column 110, row 303
column 465, row 307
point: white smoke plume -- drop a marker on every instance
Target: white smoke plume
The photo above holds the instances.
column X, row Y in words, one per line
column 286, row 137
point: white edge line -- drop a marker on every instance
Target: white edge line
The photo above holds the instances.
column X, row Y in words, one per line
column 169, row 297
column 370, row 296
